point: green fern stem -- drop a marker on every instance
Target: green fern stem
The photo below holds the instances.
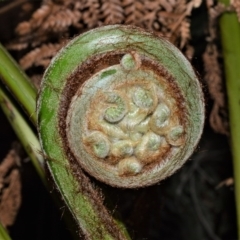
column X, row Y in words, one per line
column 18, row 83
column 230, row 36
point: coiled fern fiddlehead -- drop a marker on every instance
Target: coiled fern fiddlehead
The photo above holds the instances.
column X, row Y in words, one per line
column 121, row 103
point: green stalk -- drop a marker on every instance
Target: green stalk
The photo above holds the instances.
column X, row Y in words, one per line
column 230, row 36
column 3, row 233
column 18, row 83
column 25, row 134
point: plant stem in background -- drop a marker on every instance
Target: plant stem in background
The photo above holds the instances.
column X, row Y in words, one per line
column 230, row 35
column 18, row 83
column 3, row 233
column 25, row 134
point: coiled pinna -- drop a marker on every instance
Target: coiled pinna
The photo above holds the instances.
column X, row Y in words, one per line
column 129, row 108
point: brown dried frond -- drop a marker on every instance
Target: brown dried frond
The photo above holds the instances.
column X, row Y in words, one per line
column 173, row 17
column 91, row 13
column 181, row 6
column 112, row 11
column 40, row 56
column 10, row 188
column 213, row 73
column 236, row 5
column 51, row 18
column 23, row 28
column 214, row 11
column 167, row 18
column 184, row 32
column 61, row 20
column 37, row 19
column 16, row 46
column 189, row 52
column 134, row 11
column 213, row 79
column 149, row 19
column 29, row 40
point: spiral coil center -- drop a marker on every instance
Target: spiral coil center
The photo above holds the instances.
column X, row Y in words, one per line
column 124, row 117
